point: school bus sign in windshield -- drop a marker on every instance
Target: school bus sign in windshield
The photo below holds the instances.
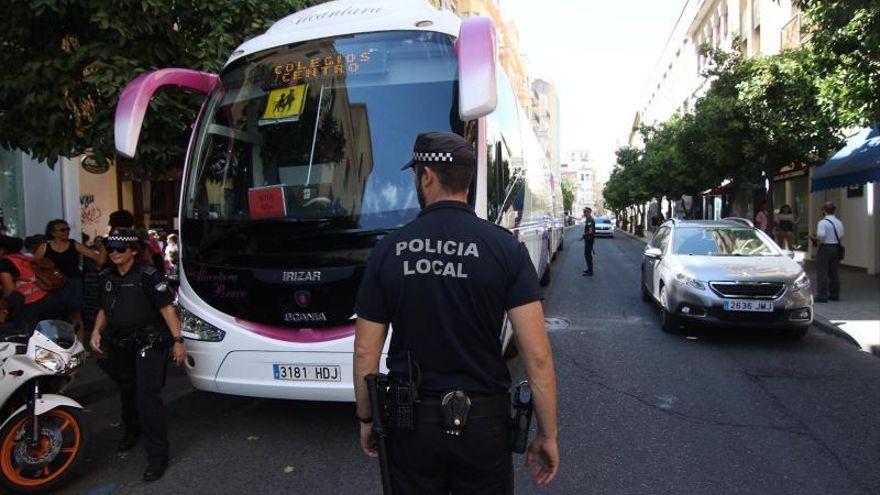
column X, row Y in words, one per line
column 284, row 104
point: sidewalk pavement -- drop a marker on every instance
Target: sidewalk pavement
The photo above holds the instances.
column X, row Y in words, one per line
column 855, row 318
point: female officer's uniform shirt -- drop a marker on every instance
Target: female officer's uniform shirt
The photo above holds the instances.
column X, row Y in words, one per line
column 443, row 282
column 132, row 301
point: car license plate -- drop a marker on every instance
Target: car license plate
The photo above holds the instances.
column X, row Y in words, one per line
column 757, row 306
column 307, row 372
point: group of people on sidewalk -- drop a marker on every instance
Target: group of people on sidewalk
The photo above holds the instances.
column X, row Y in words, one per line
column 127, row 305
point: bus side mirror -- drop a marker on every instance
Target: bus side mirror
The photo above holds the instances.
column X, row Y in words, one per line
column 477, row 68
column 135, row 98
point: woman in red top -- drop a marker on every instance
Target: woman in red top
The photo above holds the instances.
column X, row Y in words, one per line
column 67, row 255
column 29, row 303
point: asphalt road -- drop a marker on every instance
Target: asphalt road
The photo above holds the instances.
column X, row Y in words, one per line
column 640, row 411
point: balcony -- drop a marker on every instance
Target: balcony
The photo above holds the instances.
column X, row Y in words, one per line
column 793, row 34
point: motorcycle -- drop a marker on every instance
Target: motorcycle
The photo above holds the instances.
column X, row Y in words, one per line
column 44, row 436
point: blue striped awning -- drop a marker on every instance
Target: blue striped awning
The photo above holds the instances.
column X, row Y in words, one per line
column 856, row 163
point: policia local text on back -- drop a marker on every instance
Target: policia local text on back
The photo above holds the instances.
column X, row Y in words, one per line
column 444, row 282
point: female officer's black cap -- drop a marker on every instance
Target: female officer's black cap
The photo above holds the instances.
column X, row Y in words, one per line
column 442, row 148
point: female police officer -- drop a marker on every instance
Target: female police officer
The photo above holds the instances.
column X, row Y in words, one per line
column 137, row 324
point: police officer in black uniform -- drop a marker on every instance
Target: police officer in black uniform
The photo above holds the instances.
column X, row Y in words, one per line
column 444, row 282
column 137, row 325
column 589, row 236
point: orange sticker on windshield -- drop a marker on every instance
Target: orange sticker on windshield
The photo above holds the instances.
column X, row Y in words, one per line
column 284, row 105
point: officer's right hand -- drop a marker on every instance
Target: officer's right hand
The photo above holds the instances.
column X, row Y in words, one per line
column 95, row 342
column 545, row 451
column 368, row 441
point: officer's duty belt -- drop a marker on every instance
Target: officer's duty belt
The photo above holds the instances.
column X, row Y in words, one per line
column 491, row 406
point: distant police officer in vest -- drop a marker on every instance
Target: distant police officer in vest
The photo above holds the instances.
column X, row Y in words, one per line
column 136, row 326
column 444, row 282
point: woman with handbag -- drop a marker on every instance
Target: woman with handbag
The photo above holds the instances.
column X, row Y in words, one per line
column 67, row 255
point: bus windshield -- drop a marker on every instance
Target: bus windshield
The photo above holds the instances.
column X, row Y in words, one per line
column 318, row 131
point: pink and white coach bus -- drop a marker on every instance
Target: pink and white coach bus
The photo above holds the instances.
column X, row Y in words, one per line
column 293, row 174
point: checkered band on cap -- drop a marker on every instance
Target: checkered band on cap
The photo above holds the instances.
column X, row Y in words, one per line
column 432, row 157
column 122, row 238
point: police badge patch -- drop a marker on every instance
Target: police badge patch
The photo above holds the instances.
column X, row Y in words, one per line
column 161, row 286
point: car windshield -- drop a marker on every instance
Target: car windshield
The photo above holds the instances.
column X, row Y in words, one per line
column 602, row 220
column 722, row 241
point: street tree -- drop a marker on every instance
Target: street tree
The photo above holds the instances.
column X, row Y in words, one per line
column 568, row 187
column 65, row 63
column 844, row 35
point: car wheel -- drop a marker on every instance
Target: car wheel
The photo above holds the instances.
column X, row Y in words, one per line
column 668, row 322
column 646, row 294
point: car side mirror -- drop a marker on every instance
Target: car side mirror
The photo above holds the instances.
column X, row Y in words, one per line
column 653, row 253
column 798, row 256
column 476, row 48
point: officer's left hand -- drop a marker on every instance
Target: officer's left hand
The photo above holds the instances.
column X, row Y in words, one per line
column 368, row 443
column 179, row 354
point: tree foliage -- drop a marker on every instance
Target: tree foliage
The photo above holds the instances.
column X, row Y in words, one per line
column 845, row 38
column 65, row 63
column 568, row 187
column 759, row 115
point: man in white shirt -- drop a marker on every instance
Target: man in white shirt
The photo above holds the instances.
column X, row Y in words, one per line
column 829, row 232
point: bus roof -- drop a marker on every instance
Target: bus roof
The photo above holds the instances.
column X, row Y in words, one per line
column 343, row 17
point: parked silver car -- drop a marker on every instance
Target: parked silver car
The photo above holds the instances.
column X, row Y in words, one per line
column 725, row 273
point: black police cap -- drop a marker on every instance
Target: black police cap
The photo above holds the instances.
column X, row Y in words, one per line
column 442, row 149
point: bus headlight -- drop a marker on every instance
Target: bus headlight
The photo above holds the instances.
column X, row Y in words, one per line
column 193, row 327
column 49, row 360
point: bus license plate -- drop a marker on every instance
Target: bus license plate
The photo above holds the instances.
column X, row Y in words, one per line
column 756, row 306
column 307, row 372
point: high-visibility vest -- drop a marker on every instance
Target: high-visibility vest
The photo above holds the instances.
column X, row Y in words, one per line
column 26, row 283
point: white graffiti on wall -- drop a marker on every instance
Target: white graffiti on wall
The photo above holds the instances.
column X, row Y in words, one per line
column 90, row 213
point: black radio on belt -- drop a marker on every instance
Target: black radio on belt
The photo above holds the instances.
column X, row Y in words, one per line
column 402, row 395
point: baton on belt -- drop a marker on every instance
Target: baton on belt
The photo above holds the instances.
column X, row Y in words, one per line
column 379, row 431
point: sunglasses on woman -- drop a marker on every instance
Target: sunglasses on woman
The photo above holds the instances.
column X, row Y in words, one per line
column 63, row 229
column 117, row 249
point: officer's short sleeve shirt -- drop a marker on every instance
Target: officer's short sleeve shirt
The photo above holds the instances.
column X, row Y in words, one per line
column 444, row 282
column 133, row 299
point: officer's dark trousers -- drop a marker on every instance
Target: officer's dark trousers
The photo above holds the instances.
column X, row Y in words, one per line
column 827, row 262
column 429, row 461
column 140, row 380
column 588, row 253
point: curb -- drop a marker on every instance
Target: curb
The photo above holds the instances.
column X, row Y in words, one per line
column 822, row 323
column 631, row 236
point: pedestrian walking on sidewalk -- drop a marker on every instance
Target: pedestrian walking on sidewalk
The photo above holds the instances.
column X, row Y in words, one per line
column 136, row 326
column 444, row 282
column 829, row 232
column 589, row 236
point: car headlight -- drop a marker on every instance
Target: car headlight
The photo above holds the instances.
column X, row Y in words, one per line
column 195, row 328
column 49, row 360
column 802, row 283
column 690, row 281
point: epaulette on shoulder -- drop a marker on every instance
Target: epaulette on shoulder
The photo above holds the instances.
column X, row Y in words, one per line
column 106, row 271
